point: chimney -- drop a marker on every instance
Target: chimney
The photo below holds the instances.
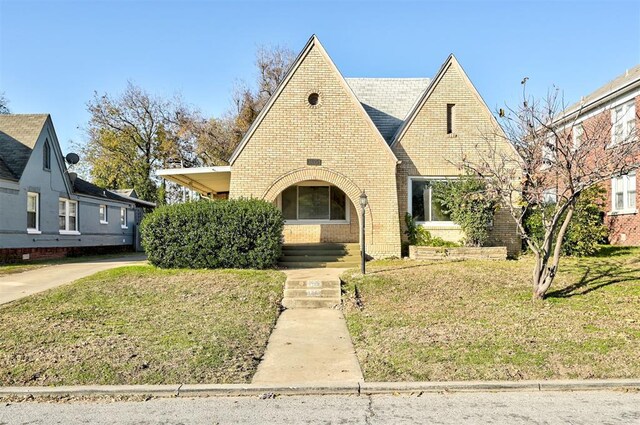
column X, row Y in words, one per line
column 72, row 177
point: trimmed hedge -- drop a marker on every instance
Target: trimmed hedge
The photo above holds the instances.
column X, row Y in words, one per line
column 243, row 233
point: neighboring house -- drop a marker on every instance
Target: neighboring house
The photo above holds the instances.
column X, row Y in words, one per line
column 617, row 104
column 322, row 140
column 44, row 210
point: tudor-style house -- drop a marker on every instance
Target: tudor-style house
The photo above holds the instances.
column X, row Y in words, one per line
column 322, row 140
column 45, row 211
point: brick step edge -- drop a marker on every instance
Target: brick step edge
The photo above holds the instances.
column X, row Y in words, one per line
column 346, row 387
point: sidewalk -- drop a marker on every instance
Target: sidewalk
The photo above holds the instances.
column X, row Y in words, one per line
column 310, row 345
column 20, row 285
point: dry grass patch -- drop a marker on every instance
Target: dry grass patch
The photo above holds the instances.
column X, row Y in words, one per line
column 141, row 325
column 475, row 320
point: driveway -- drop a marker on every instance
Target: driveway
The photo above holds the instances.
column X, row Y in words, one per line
column 20, row 285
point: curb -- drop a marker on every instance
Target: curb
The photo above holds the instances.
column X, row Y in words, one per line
column 338, row 388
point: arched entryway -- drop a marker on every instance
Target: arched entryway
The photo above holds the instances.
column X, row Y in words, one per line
column 320, row 205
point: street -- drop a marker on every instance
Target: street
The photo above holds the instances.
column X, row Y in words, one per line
column 596, row 407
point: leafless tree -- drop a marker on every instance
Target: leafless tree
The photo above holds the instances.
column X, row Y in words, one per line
column 561, row 152
column 132, row 135
column 4, row 104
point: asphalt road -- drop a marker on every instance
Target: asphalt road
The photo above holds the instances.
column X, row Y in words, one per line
column 452, row 408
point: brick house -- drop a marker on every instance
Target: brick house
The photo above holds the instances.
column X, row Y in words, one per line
column 613, row 108
column 323, row 139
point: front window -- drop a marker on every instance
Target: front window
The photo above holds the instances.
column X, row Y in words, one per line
column 67, row 216
column 123, row 218
column 623, row 122
column 623, row 190
column 314, row 203
column 422, row 204
column 33, row 221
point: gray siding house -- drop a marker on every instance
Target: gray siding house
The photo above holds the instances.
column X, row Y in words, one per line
column 45, row 211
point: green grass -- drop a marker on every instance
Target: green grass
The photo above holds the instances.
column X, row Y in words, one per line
column 141, row 325
column 475, row 319
column 6, row 269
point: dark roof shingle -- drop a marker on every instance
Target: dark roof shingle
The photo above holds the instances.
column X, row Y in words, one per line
column 388, row 101
column 18, row 136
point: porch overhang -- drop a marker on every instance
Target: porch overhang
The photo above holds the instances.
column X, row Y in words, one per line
column 207, row 181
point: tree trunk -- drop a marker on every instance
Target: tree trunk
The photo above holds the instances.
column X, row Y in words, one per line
column 546, row 266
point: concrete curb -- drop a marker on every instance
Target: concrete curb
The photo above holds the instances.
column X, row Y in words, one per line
column 337, row 388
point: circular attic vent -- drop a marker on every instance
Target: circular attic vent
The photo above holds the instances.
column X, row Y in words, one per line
column 314, row 99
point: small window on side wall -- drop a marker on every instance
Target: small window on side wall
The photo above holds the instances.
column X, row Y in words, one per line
column 33, row 212
column 103, row 215
column 123, row 218
column 46, row 155
column 450, row 118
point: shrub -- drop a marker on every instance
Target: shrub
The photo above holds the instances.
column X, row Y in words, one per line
column 244, row 233
column 586, row 229
column 470, row 205
column 420, row 236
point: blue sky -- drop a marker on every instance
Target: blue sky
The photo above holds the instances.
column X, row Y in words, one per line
column 55, row 54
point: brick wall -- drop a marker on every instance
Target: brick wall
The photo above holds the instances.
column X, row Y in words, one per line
column 426, row 149
column 353, row 154
column 20, row 255
column 311, row 233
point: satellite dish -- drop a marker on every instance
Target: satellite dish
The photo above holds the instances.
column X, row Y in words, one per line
column 72, row 158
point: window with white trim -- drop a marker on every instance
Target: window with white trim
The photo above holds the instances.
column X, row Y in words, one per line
column 623, row 122
column 623, row 193
column 123, row 218
column 314, row 202
column 422, row 205
column 578, row 135
column 67, row 216
column 33, row 212
column 103, row 214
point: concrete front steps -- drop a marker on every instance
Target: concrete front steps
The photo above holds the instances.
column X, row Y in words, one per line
column 319, row 255
column 312, row 294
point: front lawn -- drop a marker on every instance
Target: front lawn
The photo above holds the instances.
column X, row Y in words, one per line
column 141, row 325
column 420, row 321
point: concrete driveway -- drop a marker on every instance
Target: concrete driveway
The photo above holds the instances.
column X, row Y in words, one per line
column 20, row 285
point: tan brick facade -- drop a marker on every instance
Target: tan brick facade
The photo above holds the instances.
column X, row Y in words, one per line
column 426, row 149
column 353, row 154
column 337, row 132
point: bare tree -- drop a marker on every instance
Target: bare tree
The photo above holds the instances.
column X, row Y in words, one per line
column 4, row 104
column 272, row 63
column 560, row 154
column 132, row 135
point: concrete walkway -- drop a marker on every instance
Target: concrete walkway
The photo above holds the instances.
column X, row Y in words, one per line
column 20, row 285
column 309, row 345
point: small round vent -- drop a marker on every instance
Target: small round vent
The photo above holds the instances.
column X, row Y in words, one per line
column 313, row 99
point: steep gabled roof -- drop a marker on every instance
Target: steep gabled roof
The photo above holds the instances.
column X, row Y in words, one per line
column 18, row 136
column 388, row 101
column 451, row 61
column 5, row 172
column 312, row 43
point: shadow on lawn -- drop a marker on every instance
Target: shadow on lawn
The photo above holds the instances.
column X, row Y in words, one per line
column 595, row 276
